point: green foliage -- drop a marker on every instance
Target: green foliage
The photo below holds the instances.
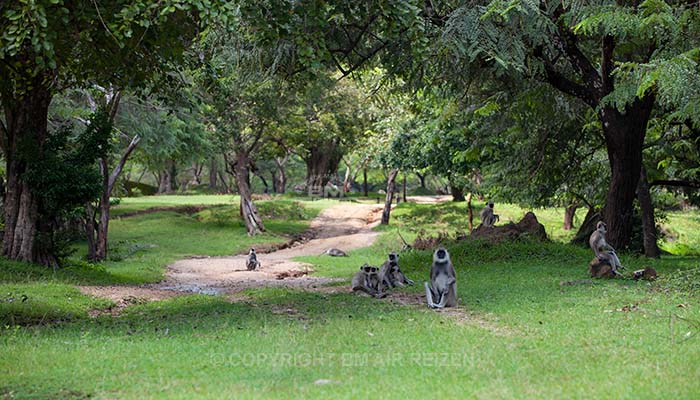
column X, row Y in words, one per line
column 66, row 173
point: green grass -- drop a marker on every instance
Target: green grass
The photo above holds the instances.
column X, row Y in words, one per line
column 520, row 335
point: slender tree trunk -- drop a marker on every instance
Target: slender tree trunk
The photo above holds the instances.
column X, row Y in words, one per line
column 249, row 212
column 281, row 185
column 651, row 247
column 569, row 213
column 421, row 178
column 213, row 170
column 404, row 187
column 624, row 136
column 222, row 179
column 90, row 230
column 98, row 246
column 365, row 188
column 264, row 182
column 390, row 189
column 25, row 128
column 470, row 211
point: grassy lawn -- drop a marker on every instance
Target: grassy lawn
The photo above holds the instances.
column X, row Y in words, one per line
column 520, row 333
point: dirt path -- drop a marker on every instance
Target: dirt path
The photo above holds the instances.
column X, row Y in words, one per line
column 346, row 226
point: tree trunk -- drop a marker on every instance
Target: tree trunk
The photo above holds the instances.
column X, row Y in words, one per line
column 404, row 187
column 421, row 178
column 103, row 225
column 98, row 246
column 569, row 214
column 213, row 169
column 587, row 226
column 390, row 189
column 457, row 193
column 90, row 230
column 624, row 136
column 222, row 179
column 365, row 188
column 249, row 212
column 167, row 182
column 651, row 247
column 321, row 163
column 25, row 129
column 281, row 181
column 470, row 211
column 264, row 182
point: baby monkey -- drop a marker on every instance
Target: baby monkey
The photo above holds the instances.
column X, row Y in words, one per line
column 252, row 261
column 367, row 280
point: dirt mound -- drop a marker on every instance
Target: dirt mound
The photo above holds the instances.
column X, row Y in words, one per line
column 529, row 227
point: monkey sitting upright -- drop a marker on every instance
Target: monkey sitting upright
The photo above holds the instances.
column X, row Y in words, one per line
column 602, row 250
column 442, row 290
column 390, row 274
column 488, row 218
column 252, row 261
column 367, row 280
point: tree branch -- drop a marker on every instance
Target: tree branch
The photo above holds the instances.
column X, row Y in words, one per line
column 678, row 183
column 120, row 165
column 564, row 84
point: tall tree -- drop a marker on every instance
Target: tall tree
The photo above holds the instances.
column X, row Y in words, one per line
column 579, row 48
column 50, row 45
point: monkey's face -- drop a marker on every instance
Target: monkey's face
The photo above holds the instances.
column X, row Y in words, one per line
column 601, row 227
column 393, row 257
column 440, row 254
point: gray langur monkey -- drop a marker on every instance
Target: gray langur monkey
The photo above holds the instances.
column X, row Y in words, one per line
column 367, row 280
column 602, row 250
column 442, row 290
column 488, row 218
column 390, row 274
column 333, row 252
column 252, row 261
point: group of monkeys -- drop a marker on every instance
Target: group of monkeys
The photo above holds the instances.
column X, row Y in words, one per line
column 440, row 292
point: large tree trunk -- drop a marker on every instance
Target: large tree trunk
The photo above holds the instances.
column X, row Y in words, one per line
column 249, row 212
column 624, row 136
column 25, row 129
column 457, row 192
column 321, row 163
column 569, row 213
column 390, row 189
column 651, row 247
